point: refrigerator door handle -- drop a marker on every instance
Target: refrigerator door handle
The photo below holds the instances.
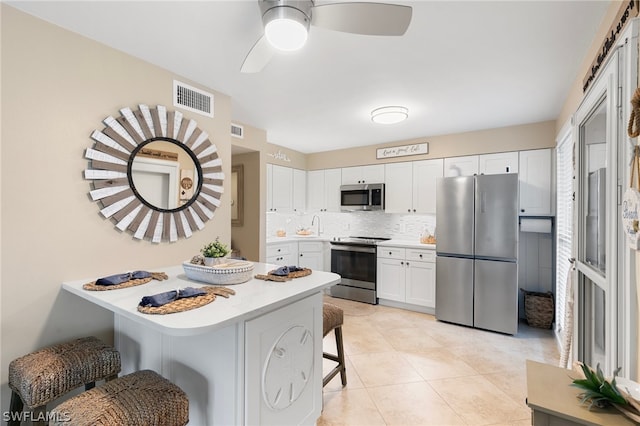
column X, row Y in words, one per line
column 483, row 201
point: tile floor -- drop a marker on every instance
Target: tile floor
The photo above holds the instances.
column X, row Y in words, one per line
column 405, row 368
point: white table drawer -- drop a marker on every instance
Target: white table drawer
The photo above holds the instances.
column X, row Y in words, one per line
column 421, row 255
column 391, row 252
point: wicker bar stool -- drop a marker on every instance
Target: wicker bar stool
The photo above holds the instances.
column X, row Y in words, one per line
column 332, row 319
column 42, row 376
column 142, row 398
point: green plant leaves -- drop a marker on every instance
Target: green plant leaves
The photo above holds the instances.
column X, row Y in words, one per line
column 215, row 249
column 596, row 389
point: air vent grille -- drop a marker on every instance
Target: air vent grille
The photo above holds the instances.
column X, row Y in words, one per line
column 192, row 99
column 237, row 131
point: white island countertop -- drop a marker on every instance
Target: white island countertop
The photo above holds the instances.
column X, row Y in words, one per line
column 252, row 298
column 406, row 244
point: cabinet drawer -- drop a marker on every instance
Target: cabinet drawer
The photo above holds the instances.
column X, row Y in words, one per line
column 391, row 252
column 421, row 255
column 278, row 249
column 310, row 246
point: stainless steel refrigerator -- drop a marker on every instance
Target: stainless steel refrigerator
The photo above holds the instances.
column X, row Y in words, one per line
column 477, row 251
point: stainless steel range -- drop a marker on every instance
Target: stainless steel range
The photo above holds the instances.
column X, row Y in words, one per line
column 355, row 259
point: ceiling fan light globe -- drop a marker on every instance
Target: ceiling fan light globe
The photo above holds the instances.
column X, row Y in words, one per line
column 286, row 27
column 389, row 115
column 285, row 34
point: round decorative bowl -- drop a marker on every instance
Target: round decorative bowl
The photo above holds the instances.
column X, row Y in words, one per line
column 231, row 272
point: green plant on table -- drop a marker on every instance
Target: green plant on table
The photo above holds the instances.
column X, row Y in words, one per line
column 600, row 393
column 215, row 249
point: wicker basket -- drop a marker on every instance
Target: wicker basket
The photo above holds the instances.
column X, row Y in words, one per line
column 538, row 308
column 226, row 275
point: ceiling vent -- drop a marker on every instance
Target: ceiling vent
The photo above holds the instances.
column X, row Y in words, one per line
column 192, row 99
column 237, row 131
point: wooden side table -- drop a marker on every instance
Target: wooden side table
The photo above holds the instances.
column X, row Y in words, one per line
column 554, row 402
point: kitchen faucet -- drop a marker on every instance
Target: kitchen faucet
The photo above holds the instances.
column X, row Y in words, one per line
column 315, row 216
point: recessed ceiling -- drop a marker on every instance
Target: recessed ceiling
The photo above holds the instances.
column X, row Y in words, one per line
column 461, row 66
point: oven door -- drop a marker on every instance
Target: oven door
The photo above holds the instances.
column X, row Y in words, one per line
column 355, row 264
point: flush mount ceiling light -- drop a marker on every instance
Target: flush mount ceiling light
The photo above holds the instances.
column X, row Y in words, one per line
column 389, row 114
column 286, row 27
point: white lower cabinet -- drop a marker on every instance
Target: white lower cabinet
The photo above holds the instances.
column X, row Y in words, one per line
column 311, row 255
column 306, row 254
column 283, row 254
column 406, row 278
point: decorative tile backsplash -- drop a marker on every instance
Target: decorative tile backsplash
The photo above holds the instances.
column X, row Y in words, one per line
column 367, row 224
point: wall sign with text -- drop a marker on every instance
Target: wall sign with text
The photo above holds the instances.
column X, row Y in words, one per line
column 401, row 151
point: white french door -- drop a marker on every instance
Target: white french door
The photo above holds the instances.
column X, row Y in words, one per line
column 598, row 128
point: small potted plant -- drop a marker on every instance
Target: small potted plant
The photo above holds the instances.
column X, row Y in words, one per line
column 214, row 252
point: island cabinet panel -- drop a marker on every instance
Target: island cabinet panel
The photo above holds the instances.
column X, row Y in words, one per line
column 280, row 370
column 197, row 364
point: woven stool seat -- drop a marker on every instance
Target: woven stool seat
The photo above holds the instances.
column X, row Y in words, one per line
column 141, row 398
column 332, row 319
column 42, row 376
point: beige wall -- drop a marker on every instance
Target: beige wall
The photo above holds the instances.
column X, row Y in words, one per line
column 57, row 88
column 281, row 156
column 514, row 138
column 575, row 95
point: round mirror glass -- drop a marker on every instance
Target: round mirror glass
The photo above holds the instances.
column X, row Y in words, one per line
column 164, row 175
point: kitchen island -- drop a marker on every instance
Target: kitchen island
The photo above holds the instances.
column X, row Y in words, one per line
column 240, row 360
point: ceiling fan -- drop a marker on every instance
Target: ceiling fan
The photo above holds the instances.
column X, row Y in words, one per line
column 286, row 24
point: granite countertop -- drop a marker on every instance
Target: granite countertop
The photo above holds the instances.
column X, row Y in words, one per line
column 406, row 244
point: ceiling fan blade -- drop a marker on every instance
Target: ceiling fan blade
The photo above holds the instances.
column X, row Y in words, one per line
column 363, row 18
column 258, row 57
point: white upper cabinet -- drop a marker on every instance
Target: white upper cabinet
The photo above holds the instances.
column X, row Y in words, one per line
column 535, row 182
column 332, row 181
column 494, row 164
column 363, row 174
column 398, row 187
column 269, row 187
column 281, row 189
column 425, row 174
column 461, row 166
column 323, row 190
column 410, row 187
column 299, row 190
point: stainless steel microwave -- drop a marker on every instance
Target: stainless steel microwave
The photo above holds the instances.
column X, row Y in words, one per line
column 362, row 197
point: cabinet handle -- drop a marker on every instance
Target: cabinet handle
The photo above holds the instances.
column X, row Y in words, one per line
column 402, row 263
column 389, row 253
column 408, row 210
column 407, row 263
column 300, row 254
column 414, row 210
column 420, row 256
column 522, row 210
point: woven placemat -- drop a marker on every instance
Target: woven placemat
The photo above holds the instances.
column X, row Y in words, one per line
column 188, row 303
column 92, row 286
column 281, row 278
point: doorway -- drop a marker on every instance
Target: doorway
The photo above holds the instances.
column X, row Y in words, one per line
column 245, row 233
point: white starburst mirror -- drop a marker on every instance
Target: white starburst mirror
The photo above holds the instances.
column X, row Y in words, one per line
column 155, row 173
